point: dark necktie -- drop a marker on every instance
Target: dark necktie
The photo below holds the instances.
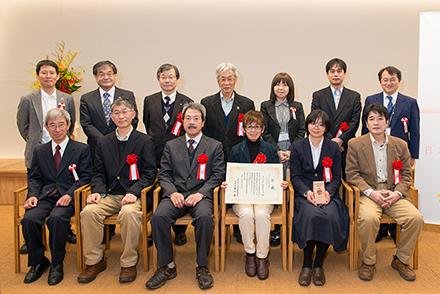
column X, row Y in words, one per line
column 191, row 147
column 167, row 107
column 107, row 107
column 390, row 104
column 57, row 159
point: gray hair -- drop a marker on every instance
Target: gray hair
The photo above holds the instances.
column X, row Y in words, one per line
column 122, row 101
column 167, row 66
column 56, row 113
column 195, row 106
column 225, row 66
column 103, row 64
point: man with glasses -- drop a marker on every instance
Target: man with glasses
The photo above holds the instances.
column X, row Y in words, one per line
column 125, row 164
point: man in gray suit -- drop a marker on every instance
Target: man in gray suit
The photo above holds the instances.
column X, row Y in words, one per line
column 191, row 167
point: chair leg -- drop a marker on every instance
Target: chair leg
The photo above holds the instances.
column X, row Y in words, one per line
column 107, row 237
column 17, row 248
column 284, row 246
column 223, row 247
column 216, row 248
column 79, row 252
column 416, row 256
column 154, row 257
column 145, row 246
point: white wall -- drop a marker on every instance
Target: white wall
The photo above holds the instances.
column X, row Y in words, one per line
column 260, row 37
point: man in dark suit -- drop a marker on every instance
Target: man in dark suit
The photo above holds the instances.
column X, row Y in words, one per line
column 191, row 167
column 161, row 111
column 59, row 167
column 125, row 164
column 341, row 104
column 95, row 105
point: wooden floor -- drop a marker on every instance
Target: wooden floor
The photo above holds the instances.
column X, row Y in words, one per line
column 234, row 279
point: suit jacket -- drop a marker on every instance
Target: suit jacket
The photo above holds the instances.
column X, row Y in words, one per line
column 215, row 126
column 154, row 123
column 349, row 111
column 272, row 130
column 30, row 120
column 110, row 168
column 177, row 175
column 240, row 153
column 302, row 172
column 44, row 176
column 405, row 107
column 361, row 166
column 92, row 118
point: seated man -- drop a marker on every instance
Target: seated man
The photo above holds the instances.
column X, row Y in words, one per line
column 125, row 163
column 191, row 167
column 379, row 165
column 58, row 168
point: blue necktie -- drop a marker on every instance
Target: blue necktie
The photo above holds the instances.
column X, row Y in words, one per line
column 106, row 105
column 337, row 97
column 390, row 104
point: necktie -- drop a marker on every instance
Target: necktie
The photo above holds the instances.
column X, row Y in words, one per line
column 107, row 106
column 57, row 159
column 337, row 97
column 167, row 107
column 191, row 147
column 390, row 104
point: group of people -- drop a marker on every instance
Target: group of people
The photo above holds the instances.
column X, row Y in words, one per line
column 187, row 147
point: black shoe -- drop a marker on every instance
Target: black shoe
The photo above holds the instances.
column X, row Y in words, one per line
column 275, row 238
column 150, row 241
column 394, row 238
column 36, row 271
column 204, row 277
column 180, row 239
column 56, row 274
column 23, row 249
column 380, row 236
column 160, row 277
column 71, row 237
column 112, row 229
column 237, row 234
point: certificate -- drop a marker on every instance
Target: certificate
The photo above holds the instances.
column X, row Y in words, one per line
column 254, row 183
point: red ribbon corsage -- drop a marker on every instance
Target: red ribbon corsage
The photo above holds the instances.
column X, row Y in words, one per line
column 405, row 124
column 72, row 168
column 293, row 110
column 61, row 105
column 134, row 173
column 202, row 160
column 261, row 158
column 177, row 125
column 327, row 163
column 342, row 128
column 397, row 166
column 240, row 125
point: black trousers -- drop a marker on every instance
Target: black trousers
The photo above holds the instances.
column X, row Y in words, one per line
column 165, row 216
column 58, row 223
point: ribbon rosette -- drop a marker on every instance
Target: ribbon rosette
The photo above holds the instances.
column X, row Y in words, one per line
column 293, row 110
column 202, row 160
column 261, row 158
column 240, row 125
column 72, row 168
column 405, row 123
column 327, row 163
column 61, row 105
column 177, row 125
column 134, row 173
column 342, row 128
column 397, row 166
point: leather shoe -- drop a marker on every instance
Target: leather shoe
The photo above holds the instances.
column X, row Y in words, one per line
column 404, row 270
column 237, row 234
column 160, row 277
column 251, row 265
column 318, row 276
column 71, row 237
column 36, row 271
column 262, row 268
column 23, row 249
column 56, row 274
column 90, row 273
column 204, row 277
column 128, row 274
column 275, row 238
column 305, row 276
column 180, row 239
column 366, row 272
column 150, row 241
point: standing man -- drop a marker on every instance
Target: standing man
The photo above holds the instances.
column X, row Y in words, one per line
column 163, row 119
column 379, row 165
column 191, row 167
column 341, row 104
column 125, row 164
column 52, row 185
column 31, row 112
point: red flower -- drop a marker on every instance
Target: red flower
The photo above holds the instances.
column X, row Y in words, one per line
column 344, row 126
column 203, row 158
column 397, row 164
column 327, row 162
column 240, row 117
column 179, row 117
column 131, row 159
column 261, row 158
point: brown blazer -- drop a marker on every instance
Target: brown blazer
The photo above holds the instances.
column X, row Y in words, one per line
column 361, row 166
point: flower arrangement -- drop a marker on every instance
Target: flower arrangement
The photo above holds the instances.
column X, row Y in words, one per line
column 70, row 78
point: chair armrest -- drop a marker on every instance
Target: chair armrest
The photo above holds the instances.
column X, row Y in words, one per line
column 77, row 198
column 357, row 196
column 17, row 203
column 144, row 195
column 413, row 194
column 216, row 206
column 157, row 195
column 84, row 194
column 348, row 198
column 291, row 197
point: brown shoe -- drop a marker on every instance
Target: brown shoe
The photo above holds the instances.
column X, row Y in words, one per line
column 405, row 270
column 204, row 277
column 305, row 276
column 262, row 268
column 251, row 266
column 128, row 274
column 90, row 273
column 318, row 276
column 160, row 277
column 366, row 272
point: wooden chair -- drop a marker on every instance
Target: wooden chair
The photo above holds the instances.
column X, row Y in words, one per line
column 187, row 220
column 413, row 195
column 74, row 220
column 113, row 220
column 228, row 218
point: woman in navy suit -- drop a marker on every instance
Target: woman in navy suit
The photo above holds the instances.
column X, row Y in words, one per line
column 317, row 158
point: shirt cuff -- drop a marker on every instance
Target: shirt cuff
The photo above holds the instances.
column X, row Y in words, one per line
column 368, row 192
column 400, row 193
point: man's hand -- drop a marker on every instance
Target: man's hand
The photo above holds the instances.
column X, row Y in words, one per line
column 64, row 201
column 193, row 199
column 413, row 161
column 378, row 197
column 30, row 203
column 93, row 198
column 177, row 199
column 311, row 197
column 283, row 155
column 339, row 141
column 390, row 200
column 224, row 186
column 129, row 198
column 284, row 185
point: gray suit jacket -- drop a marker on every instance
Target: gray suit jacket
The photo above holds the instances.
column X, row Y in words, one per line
column 30, row 120
column 177, row 175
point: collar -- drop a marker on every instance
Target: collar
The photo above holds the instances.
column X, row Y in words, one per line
column 222, row 97
column 394, row 97
column 111, row 92
column 196, row 139
column 126, row 136
column 172, row 97
column 45, row 95
column 319, row 146
column 375, row 143
column 333, row 90
column 278, row 103
column 62, row 145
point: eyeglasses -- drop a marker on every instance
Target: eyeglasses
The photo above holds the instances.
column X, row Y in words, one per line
column 171, row 77
column 103, row 74
column 317, row 125
column 60, row 126
column 229, row 80
column 123, row 112
column 249, row 128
